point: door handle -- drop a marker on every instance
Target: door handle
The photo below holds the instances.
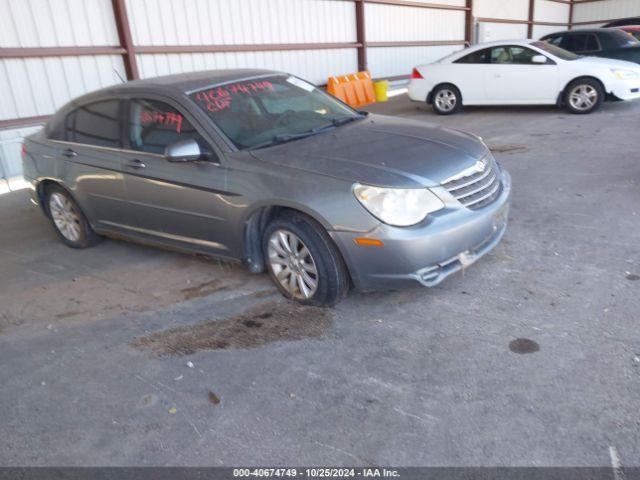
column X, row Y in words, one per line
column 136, row 164
column 69, row 153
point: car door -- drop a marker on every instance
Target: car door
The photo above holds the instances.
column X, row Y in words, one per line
column 183, row 203
column 91, row 161
column 513, row 78
column 467, row 74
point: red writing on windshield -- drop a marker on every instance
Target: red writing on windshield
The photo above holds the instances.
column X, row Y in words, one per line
column 168, row 119
column 219, row 98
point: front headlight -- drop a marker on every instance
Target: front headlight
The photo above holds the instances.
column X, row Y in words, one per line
column 400, row 207
column 623, row 74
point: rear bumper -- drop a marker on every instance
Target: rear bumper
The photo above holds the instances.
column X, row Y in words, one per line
column 419, row 89
column 451, row 240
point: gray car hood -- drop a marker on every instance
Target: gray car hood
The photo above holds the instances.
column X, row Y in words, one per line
column 383, row 151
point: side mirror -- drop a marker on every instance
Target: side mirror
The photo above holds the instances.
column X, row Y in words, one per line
column 539, row 59
column 184, row 151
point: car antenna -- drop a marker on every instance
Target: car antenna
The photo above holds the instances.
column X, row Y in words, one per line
column 119, row 76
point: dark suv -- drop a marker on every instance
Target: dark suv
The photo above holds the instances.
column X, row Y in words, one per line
column 600, row 42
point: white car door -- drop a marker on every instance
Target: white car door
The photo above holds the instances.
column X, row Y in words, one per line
column 467, row 73
column 513, row 78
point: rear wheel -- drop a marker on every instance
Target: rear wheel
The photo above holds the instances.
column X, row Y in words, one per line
column 446, row 99
column 68, row 220
column 303, row 261
column 584, row 95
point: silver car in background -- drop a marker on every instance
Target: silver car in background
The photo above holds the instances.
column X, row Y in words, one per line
column 264, row 168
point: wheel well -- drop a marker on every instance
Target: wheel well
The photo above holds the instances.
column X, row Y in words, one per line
column 562, row 93
column 253, row 256
column 41, row 191
column 430, row 96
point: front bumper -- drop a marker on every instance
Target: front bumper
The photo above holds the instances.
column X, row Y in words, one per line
column 451, row 240
column 626, row 89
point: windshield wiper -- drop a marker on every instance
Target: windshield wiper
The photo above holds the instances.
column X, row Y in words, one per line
column 288, row 137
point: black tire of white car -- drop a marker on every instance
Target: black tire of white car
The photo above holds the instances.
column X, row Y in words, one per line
column 331, row 276
column 63, row 211
column 446, row 99
column 583, row 96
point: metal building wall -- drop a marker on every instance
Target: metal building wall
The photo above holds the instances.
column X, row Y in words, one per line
column 598, row 13
column 392, row 25
column 246, row 22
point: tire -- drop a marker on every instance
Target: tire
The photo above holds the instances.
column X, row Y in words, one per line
column 446, row 99
column 583, row 96
column 323, row 264
column 67, row 219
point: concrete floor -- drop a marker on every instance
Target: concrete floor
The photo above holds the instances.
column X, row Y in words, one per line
column 418, row 377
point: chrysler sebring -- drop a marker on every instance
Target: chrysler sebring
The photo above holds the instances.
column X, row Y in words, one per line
column 264, row 168
column 523, row 72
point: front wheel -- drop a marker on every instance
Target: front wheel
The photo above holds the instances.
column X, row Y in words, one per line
column 446, row 100
column 583, row 96
column 303, row 261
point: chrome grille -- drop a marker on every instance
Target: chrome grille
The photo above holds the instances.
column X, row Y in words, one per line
column 478, row 189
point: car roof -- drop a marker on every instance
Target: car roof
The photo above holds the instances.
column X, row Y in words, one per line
column 584, row 30
column 180, row 83
column 187, row 82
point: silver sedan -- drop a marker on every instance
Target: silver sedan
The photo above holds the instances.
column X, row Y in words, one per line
column 264, row 168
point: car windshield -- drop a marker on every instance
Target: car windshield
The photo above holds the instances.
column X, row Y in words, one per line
column 561, row 53
column 623, row 39
column 259, row 112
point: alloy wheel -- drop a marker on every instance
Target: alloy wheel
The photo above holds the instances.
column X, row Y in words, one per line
column 583, row 97
column 65, row 216
column 292, row 264
column 446, row 100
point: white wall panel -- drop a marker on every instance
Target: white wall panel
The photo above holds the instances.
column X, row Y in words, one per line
column 490, row 32
column 455, row 3
column 313, row 65
column 394, row 61
column 546, row 11
column 55, row 23
column 228, row 22
column 503, row 9
column 609, row 9
column 542, row 30
column 399, row 23
column 39, row 86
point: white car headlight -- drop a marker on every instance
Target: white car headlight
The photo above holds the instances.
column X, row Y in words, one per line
column 400, row 207
column 623, row 74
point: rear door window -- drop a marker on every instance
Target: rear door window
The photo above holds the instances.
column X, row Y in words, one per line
column 576, row 42
column 95, row 124
column 154, row 125
column 481, row 56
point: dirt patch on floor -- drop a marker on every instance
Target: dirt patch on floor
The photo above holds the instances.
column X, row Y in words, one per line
column 508, row 148
column 264, row 323
column 207, row 288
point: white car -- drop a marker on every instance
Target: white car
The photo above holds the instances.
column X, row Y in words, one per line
column 523, row 72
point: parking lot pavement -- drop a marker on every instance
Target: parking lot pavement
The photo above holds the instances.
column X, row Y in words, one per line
column 130, row 355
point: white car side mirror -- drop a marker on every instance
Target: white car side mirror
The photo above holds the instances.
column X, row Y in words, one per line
column 540, row 59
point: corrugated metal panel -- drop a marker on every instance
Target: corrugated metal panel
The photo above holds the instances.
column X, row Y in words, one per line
column 39, row 86
column 490, row 32
column 228, row 22
column 313, row 65
column 455, row 3
column 398, row 23
column 605, row 10
column 394, row 61
column 55, row 23
column 503, row 9
column 542, row 30
column 546, row 11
